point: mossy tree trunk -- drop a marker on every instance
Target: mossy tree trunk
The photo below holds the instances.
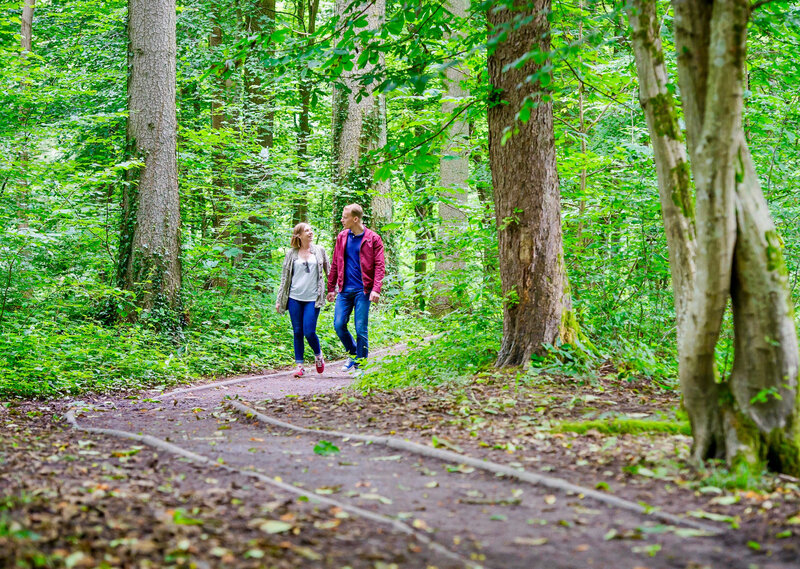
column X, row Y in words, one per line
column 526, row 192
column 731, row 251
column 149, row 263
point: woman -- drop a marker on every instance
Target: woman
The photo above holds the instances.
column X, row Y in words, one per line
column 302, row 292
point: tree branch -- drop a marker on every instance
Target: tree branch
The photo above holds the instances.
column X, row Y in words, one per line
column 761, row 3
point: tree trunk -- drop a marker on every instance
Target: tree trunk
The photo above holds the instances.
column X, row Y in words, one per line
column 26, row 47
column 301, row 202
column 261, row 101
column 453, row 175
column 262, row 20
column 26, row 32
column 149, row 244
column 527, row 208
column 751, row 416
column 220, row 179
column 359, row 126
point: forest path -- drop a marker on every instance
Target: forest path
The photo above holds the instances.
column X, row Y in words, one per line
column 471, row 516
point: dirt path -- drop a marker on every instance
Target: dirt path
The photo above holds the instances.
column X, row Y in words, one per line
column 381, row 505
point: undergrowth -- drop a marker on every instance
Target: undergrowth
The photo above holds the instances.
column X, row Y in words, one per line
column 56, row 355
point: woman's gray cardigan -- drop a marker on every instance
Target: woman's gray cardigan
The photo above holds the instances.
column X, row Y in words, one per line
column 286, row 276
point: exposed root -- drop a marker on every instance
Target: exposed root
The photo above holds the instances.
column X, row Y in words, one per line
column 288, row 488
column 522, row 475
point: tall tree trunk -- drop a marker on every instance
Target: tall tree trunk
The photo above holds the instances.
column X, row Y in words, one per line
column 149, row 261
column 26, row 32
column 527, row 206
column 753, row 415
column 220, row 179
column 301, row 202
column 453, row 175
column 261, row 100
column 26, row 47
column 359, row 126
column 262, row 19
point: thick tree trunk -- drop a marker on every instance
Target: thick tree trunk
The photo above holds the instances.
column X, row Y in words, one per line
column 453, row 175
column 527, row 205
column 735, row 252
column 149, row 244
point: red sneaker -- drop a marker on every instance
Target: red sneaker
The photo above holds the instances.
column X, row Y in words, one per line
column 299, row 372
column 319, row 361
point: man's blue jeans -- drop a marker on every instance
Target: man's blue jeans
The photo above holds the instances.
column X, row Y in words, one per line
column 304, row 324
column 346, row 304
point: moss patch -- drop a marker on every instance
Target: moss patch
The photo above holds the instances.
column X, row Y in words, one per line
column 624, row 426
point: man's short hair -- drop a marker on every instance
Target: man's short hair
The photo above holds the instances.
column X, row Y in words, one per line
column 355, row 210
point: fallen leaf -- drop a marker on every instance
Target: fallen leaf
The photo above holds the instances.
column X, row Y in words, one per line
column 534, row 541
column 275, row 526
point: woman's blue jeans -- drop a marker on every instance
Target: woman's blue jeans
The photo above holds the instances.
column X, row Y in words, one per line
column 346, row 304
column 304, row 324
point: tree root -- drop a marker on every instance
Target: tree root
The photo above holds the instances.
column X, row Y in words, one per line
column 288, row 488
column 522, row 475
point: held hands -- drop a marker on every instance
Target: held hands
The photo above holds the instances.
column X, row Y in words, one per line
column 373, row 296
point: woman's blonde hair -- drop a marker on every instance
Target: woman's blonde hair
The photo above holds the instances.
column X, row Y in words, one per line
column 296, row 232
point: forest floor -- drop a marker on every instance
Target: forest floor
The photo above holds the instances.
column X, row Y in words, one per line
column 249, row 494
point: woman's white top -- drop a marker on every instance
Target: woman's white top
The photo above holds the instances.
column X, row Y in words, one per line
column 305, row 277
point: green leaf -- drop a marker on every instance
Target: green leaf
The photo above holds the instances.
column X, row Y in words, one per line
column 179, row 517
column 325, row 448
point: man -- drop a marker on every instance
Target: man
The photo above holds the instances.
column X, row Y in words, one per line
column 357, row 271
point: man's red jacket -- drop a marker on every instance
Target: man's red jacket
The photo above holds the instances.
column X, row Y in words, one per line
column 373, row 265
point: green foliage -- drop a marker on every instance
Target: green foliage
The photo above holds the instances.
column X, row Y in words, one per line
column 325, row 448
column 463, row 342
column 741, row 476
column 63, row 171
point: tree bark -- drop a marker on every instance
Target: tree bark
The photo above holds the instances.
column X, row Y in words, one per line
column 26, row 32
column 26, row 47
column 359, row 126
column 734, row 252
column 149, row 246
column 304, row 134
column 527, row 206
column 262, row 20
